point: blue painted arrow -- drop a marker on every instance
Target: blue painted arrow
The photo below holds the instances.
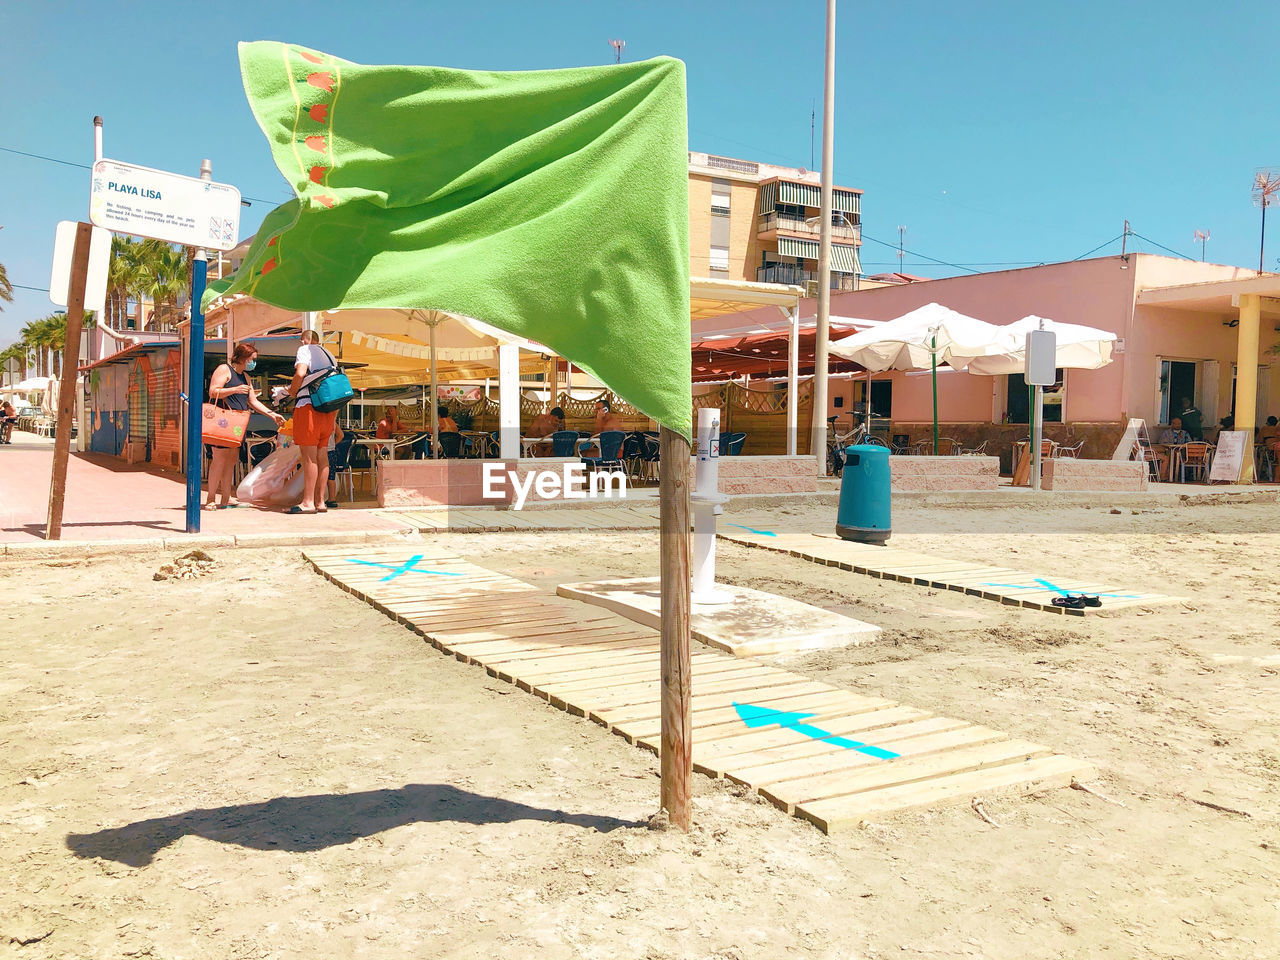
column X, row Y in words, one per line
column 754, row 716
column 1053, row 587
column 409, row 566
column 763, row 533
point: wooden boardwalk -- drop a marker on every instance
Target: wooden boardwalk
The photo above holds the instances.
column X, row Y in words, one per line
column 487, row 520
column 906, row 566
column 821, row 752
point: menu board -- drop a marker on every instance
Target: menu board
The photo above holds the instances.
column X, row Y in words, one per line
column 1228, row 459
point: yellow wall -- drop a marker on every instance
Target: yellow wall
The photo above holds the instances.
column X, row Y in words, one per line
column 744, row 248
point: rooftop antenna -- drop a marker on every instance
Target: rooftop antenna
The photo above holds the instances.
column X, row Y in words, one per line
column 1266, row 184
column 1203, row 237
column 618, row 47
column 902, row 234
column 813, row 115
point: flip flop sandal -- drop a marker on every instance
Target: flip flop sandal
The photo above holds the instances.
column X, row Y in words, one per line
column 296, row 509
column 1073, row 603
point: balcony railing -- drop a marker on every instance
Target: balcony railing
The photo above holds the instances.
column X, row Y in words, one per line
column 789, row 273
column 840, row 227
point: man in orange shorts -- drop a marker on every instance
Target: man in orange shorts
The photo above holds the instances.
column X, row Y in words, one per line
column 311, row 428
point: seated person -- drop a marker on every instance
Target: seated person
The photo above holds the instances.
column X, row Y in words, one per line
column 1270, row 431
column 1175, row 435
column 1172, row 437
column 9, row 417
column 444, row 422
column 606, row 419
column 388, row 427
column 544, row 425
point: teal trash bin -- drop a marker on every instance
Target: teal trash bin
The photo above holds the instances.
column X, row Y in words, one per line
column 864, row 495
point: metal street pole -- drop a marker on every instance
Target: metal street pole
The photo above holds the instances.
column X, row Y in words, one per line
column 818, row 447
column 195, row 377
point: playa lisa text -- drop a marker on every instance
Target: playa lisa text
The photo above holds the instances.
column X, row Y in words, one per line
column 144, row 192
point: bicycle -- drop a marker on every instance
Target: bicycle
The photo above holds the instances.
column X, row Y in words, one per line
column 836, row 442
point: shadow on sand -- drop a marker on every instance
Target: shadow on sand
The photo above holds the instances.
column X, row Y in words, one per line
column 304, row 824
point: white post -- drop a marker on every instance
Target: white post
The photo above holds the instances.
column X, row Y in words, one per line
column 821, row 366
column 1037, row 431
column 508, row 401
column 793, row 376
column 706, row 502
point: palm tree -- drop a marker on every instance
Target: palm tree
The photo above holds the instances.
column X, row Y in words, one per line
column 6, row 288
column 124, row 279
column 15, row 351
column 164, row 279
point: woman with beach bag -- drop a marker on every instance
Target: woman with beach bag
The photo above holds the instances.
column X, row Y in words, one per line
column 226, row 418
column 321, row 390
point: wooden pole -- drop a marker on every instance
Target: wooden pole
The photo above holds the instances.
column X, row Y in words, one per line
column 677, row 723
column 67, row 384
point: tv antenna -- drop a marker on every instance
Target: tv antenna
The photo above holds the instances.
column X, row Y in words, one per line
column 618, row 47
column 1202, row 237
column 902, row 234
column 1266, row 185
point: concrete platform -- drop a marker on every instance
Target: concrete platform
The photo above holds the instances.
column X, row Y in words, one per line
column 751, row 623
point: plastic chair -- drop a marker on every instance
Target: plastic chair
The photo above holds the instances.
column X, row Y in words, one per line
column 731, row 444
column 340, row 464
column 610, row 458
column 1195, row 456
column 1069, row 453
column 1143, row 451
column 948, row 447
column 450, row 444
column 564, row 443
column 978, row 451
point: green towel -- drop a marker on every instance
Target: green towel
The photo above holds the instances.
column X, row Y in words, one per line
column 551, row 204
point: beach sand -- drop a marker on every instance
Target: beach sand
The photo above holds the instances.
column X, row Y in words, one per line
column 256, row 764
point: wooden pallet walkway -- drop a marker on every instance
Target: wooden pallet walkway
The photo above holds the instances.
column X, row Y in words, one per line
column 980, row 580
column 484, row 520
column 821, row 752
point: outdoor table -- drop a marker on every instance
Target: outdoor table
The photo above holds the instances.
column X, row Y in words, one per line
column 527, row 443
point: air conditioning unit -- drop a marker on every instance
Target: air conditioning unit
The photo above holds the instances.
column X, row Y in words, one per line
column 811, row 288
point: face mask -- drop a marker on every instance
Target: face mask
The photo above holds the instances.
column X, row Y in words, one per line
column 250, row 365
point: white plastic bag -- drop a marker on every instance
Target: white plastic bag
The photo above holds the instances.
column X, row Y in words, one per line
column 275, row 482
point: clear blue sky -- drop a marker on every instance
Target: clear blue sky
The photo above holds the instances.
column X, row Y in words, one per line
column 997, row 132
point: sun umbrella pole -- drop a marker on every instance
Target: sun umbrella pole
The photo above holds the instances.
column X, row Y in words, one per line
column 933, row 358
column 435, row 415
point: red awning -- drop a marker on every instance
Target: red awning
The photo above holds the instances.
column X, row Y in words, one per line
column 759, row 354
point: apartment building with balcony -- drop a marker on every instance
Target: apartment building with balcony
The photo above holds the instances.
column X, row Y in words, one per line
column 761, row 222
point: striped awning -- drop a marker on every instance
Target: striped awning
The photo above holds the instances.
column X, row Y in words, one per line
column 844, row 258
column 806, row 195
column 792, row 247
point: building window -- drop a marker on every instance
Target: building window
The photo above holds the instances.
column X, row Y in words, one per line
column 720, row 258
column 720, row 197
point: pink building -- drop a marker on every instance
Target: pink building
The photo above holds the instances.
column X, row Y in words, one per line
column 1181, row 335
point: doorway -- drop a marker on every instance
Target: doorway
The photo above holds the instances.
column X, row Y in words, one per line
column 1177, row 380
column 1018, row 405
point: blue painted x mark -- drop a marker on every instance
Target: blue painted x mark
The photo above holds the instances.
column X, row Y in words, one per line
column 763, row 533
column 1049, row 585
column 408, row 566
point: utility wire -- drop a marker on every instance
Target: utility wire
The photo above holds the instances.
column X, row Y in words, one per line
column 86, row 166
column 915, row 253
column 1097, row 248
column 23, row 286
column 1161, row 246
